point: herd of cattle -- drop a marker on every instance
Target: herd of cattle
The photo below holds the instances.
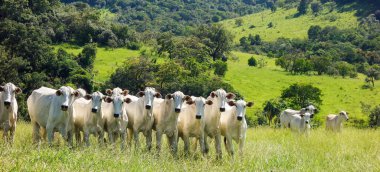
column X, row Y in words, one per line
column 122, row 115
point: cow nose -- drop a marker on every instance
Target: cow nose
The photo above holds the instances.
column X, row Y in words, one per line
column 147, row 106
column 347, row 119
column 198, row 116
column 94, row 110
column 116, row 115
column 222, row 109
column 64, row 107
column 177, row 110
column 7, row 103
column 307, row 122
column 240, row 118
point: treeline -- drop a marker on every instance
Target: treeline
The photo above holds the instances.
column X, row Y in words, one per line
column 327, row 50
column 176, row 16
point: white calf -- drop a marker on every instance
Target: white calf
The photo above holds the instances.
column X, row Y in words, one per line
column 8, row 110
column 335, row 122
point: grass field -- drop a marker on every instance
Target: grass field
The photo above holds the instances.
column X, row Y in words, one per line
column 266, row 83
column 266, row 149
column 285, row 25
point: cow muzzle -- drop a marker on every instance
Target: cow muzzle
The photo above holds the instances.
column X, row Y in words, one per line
column 239, row 118
column 64, row 107
column 116, row 115
column 177, row 110
column 93, row 110
column 222, row 109
column 198, row 116
column 307, row 122
column 7, row 104
column 148, row 107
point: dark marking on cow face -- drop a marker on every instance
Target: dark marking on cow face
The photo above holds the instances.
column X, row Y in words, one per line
column 190, row 102
column 177, row 110
column 148, row 107
column 64, row 107
column 198, row 117
column 116, row 115
column 7, row 104
column 222, row 109
column 231, row 103
column 239, row 118
column 186, row 98
column 58, row 92
column 93, row 110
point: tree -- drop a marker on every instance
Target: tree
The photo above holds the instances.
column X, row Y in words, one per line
column 272, row 108
column 374, row 117
column 262, row 62
column 320, row 64
column 217, row 39
column 252, row 61
column 87, row 57
column 220, row 68
column 316, row 7
column 314, row 32
column 373, row 73
column 302, row 7
column 239, row 22
column 377, row 14
column 302, row 95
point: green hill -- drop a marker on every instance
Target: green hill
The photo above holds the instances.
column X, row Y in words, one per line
column 266, row 83
column 286, row 25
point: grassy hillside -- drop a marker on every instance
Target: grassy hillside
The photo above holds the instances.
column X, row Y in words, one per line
column 286, row 25
column 268, row 82
column 266, row 149
column 107, row 60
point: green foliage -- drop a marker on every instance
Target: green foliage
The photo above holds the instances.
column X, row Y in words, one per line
column 87, row 57
column 252, row 61
column 303, row 6
column 239, row 22
column 374, row 117
column 316, row 7
column 302, row 95
column 270, row 24
column 272, row 109
column 220, row 68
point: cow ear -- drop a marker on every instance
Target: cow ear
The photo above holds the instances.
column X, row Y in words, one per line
column 169, row 96
column 76, row 93
column 127, row 100
column 58, row 92
column 249, row 104
column 303, row 111
column 88, row 97
column 125, row 92
column 231, row 103
column 231, row 96
column 186, row 98
column 18, row 90
column 1, row 88
column 209, row 102
column 108, row 91
column 140, row 94
column 190, row 102
column 212, row 94
column 312, row 116
column 108, row 99
column 302, row 115
column 157, row 95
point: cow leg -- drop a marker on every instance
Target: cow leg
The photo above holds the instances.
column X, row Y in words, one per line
column 36, row 132
column 5, row 130
column 218, row 146
column 12, row 132
column 195, row 144
column 158, row 140
column 206, row 146
column 173, row 143
column 229, row 146
column 110, row 136
column 136, row 138
column 122, row 137
column 241, row 146
column 202, row 144
column 149, row 140
column 129, row 136
column 86, row 137
column 101, row 137
column 186, row 141
column 77, row 136
column 50, row 134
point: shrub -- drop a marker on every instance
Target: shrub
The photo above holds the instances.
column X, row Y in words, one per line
column 252, row 61
column 133, row 46
column 220, row 68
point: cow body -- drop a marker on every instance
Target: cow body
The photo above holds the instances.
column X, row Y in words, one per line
column 233, row 125
column 335, row 122
column 285, row 116
column 48, row 109
column 8, row 110
column 300, row 123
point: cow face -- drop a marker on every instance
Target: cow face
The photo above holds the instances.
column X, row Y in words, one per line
column 221, row 98
column 311, row 109
column 96, row 100
column 307, row 117
column 65, row 97
column 200, row 104
column 149, row 94
column 344, row 115
column 178, row 99
column 241, row 106
column 9, row 91
column 117, row 105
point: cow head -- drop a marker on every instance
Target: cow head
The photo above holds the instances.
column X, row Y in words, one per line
column 80, row 93
column 149, row 94
column 65, row 96
column 240, row 108
column 9, row 92
column 343, row 115
column 117, row 105
column 178, row 98
column 306, row 116
column 221, row 97
column 96, row 100
column 200, row 104
column 311, row 109
column 116, row 91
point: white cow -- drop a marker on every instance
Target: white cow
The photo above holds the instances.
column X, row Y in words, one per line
column 300, row 123
column 165, row 114
column 191, row 121
column 48, row 109
column 212, row 118
column 233, row 125
column 287, row 113
column 140, row 115
column 87, row 115
column 335, row 122
column 8, row 110
column 115, row 115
